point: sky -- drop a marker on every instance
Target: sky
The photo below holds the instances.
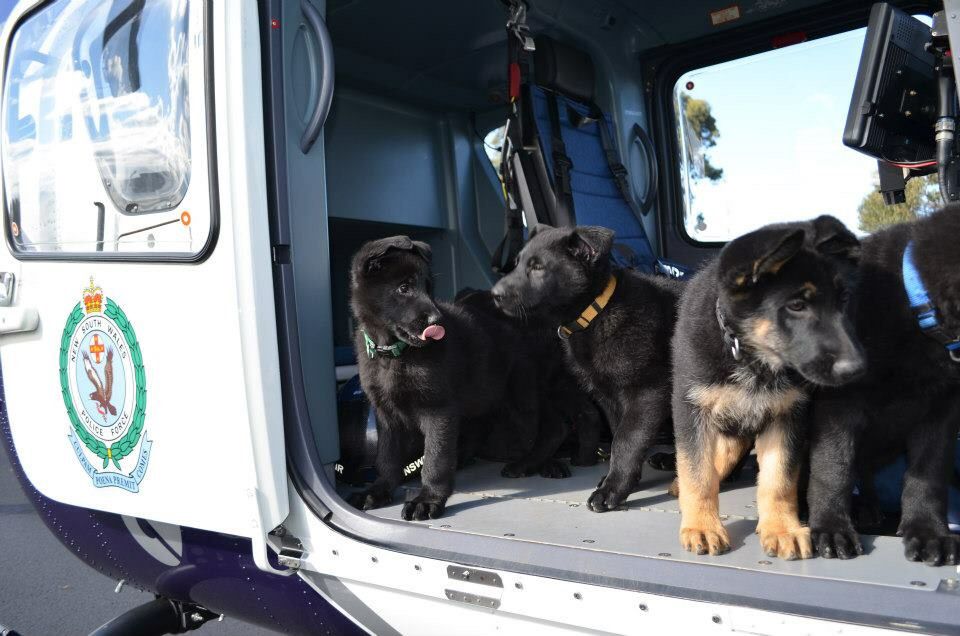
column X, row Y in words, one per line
column 6, row 6
column 781, row 116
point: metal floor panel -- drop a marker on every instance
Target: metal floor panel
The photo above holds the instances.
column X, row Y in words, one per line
column 553, row 511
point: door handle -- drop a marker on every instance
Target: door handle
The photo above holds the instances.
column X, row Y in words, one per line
column 323, row 76
column 18, row 319
column 14, row 319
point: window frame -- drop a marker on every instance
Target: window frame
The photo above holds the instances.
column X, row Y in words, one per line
column 212, row 175
column 666, row 65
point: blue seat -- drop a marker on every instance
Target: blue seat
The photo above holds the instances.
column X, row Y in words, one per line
column 596, row 198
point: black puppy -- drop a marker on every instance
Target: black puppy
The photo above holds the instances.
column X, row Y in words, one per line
column 757, row 326
column 618, row 347
column 425, row 367
column 907, row 314
column 562, row 405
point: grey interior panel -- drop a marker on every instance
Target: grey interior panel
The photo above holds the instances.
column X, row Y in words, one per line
column 553, row 512
column 385, row 162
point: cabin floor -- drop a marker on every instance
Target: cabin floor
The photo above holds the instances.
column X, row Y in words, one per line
column 554, row 511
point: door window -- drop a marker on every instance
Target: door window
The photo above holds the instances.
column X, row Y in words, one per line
column 99, row 129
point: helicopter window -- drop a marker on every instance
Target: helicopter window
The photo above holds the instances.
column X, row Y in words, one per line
column 760, row 141
column 97, row 127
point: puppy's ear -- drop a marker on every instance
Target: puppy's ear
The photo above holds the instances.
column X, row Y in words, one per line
column 832, row 238
column 761, row 252
column 423, row 250
column 368, row 258
column 531, row 232
column 590, row 243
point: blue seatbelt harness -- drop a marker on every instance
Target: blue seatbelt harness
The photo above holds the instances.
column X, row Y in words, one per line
column 923, row 308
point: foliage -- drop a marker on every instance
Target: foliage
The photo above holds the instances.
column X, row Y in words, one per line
column 923, row 197
column 702, row 126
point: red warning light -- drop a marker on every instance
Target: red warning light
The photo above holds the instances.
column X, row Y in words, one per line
column 689, row 86
column 274, row 23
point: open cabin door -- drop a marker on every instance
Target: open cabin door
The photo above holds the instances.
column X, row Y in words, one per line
column 138, row 343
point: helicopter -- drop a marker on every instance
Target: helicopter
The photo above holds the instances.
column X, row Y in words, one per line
column 184, row 183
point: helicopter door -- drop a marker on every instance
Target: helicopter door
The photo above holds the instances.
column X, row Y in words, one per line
column 137, row 332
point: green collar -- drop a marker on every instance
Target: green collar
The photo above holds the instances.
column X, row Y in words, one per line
column 372, row 349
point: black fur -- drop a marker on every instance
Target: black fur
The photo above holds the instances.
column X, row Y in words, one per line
column 781, row 291
column 423, row 396
column 563, row 406
column 623, row 358
column 909, row 401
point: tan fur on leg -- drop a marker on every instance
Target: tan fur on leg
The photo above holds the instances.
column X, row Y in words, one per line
column 779, row 527
column 700, row 528
column 727, row 452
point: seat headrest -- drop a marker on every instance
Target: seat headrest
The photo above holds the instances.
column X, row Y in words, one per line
column 563, row 69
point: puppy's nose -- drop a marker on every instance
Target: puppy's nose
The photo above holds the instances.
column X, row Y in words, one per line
column 848, row 368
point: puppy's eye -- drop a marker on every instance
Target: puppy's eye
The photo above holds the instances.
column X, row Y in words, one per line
column 797, row 305
column 844, row 297
column 403, row 288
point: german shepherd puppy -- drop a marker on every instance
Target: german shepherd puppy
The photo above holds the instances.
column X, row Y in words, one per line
column 426, row 367
column 618, row 348
column 757, row 327
column 909, row 401
column 562, row 405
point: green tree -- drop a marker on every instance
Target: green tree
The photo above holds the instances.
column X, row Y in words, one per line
column 923, row 197
column 702, row 133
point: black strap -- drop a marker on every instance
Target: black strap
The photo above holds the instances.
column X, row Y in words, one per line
column 517, row 202
column 620, row 174
column 561, row 162
column 505, row 256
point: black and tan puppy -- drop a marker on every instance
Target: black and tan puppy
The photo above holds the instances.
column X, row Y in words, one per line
column 757, row 327
column 615, row 327
column 426, row 368
column 909, row 401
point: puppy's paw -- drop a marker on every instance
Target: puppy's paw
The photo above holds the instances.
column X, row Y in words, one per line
column 370, row 499
column 606, row 497
column 712, row 540
column 931, row 547
column 674, row 489
column 423, row 507
column 789, row 544
column 837, row 540
column 663, row 461
column 554, row 469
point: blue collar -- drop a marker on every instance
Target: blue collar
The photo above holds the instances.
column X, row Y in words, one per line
column 923, row 307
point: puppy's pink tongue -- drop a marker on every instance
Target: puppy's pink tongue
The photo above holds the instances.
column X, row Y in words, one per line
column 433, row 332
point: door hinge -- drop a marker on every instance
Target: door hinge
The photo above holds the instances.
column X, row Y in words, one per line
column 290, row 552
